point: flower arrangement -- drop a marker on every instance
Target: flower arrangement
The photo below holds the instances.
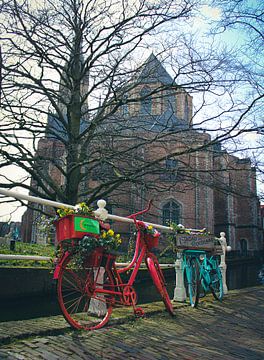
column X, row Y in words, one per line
column 147, row 229
column 151, row 235
column 180, row 229
column 150, row 230
column 81, row 209
column 107, row 239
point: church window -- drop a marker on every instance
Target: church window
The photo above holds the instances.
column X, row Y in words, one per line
column 175, row 106
column 171, row 213
column 186, row 112
column 171, row 164
column 170, row 173
column 146, row 101
column 125, row 110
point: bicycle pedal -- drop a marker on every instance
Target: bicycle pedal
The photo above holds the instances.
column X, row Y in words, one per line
column 139, row 312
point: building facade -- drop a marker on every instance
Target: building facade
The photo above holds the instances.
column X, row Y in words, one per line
column 197, row 184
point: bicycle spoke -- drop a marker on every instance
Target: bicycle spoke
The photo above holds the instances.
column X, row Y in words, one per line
column 82, row 307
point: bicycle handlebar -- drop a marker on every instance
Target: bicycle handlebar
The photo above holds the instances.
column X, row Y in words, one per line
column 133, row 216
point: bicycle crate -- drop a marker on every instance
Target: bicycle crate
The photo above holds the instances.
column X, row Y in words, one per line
column 75, row 227
column 99, row 257
column 152, row 240
column 94, row 258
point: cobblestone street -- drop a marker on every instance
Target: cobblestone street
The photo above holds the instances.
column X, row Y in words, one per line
column 231, row 330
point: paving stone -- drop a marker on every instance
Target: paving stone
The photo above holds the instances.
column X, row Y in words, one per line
column 230, row 330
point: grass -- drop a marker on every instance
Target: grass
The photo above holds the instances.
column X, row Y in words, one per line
column 27, row 249
column 49, row 250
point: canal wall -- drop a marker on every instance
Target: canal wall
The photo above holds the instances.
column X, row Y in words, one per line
column 26, row 282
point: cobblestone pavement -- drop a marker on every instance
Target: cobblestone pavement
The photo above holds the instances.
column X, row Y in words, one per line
column 231, row 330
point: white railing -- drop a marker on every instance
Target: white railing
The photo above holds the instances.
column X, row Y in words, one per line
column 102, row 214
column 48, row 258
column 24, row 257
column 179, row 291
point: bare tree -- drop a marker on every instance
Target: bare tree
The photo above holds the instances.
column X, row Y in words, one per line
column 244, row 22
column 77, row 64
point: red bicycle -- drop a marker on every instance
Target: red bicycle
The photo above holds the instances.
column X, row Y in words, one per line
column 87, row 295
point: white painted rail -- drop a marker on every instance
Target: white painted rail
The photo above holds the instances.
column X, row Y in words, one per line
column 48, row 258
column 102, row 214
column 24, row 257
column 16, row 195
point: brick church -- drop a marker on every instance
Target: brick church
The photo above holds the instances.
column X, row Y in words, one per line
column 200, row 185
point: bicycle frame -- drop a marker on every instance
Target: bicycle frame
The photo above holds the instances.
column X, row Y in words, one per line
column 92, row 291
column 141, row 252
column 119, row 284
column 207, row 265
column 202, row 269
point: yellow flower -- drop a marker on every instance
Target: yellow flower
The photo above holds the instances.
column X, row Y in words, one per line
column 104, row 235
column 150, row 227
column 110, row 232
column 117, row 236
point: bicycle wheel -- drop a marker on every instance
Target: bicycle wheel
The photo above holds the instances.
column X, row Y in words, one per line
column 216, row 284
column 191, row 282
column 81, row 305
column 159, row 281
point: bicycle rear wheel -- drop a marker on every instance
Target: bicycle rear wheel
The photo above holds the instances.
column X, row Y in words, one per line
column 216, row 284
column 191, row 282
column 159, row 281
column 81, row 305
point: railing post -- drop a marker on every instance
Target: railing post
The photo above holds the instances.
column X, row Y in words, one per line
column 223, row 266
column 179, row 291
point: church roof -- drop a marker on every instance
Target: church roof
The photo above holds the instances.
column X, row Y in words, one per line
column 152, row 71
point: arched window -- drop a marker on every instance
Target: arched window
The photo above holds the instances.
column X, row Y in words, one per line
column 171, row 213
column 146, row 101
column 243, row 247
column 186, row 111
column 175, row 105
column 170, row 102
column 125, row 110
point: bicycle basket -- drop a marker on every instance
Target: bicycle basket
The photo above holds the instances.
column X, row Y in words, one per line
column 94, row 258
column 75, row 227
column 99, row 258
column 152, row 240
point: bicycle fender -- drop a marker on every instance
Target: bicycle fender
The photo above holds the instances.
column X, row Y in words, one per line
column 58, row 266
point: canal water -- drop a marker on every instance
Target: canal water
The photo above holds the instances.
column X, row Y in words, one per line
column 238, row 276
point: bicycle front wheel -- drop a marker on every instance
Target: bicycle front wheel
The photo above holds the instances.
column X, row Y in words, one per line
column 159, row 281
column 82, row 306
column 191, row 282
column 216, row 284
